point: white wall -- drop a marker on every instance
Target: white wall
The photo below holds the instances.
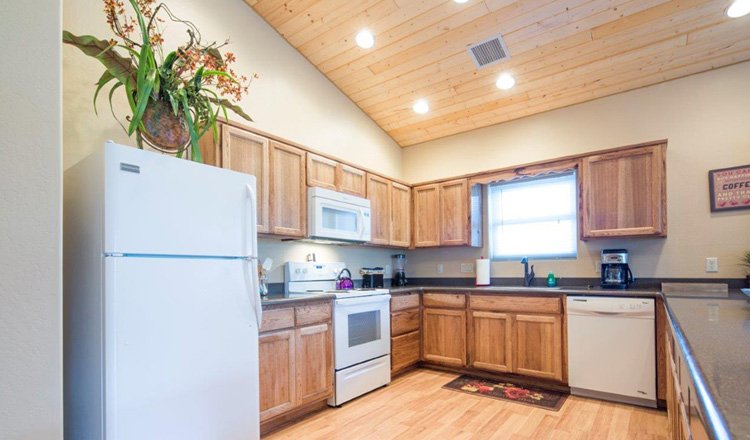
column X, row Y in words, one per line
column 291, row 99
column 30, row 222
column 705, row 117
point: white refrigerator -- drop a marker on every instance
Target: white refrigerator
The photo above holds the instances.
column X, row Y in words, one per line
column 161, row 304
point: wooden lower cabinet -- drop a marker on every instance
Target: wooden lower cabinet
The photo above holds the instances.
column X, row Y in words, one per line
column 314, row 363
column 538, row 350
column 404, row 351
column 277, row 355
column 444, row 336
column 492, row 341
column 295, row 364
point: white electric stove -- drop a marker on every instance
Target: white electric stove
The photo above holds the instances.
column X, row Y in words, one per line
column 361, row 328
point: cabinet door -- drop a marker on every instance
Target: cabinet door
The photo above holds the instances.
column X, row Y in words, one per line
column 454, row 213
column 404, row 351
column 249, row 153
column 351, row 180
column 538, row 346
column 211, row 148
column 444, row 336
column 314, row 363
column 276, row 355
column 492, row 341
column 624, row 193
column 321, row 171
column 288, row 191
column 400, row 215
column 426, row 216
column 379, row 193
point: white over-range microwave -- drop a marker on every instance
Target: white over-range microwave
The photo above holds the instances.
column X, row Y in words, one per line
column 337, row 216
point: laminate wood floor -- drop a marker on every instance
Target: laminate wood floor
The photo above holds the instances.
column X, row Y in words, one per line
column 414, row 406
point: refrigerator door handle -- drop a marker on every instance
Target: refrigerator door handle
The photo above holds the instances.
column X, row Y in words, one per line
column 251, row 277
column 252, row 219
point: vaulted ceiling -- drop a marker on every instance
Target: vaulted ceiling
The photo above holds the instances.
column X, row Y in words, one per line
column 562, row 52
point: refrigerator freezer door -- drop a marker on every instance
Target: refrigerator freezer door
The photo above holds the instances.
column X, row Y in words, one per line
column 156, row 204
column 181, row 350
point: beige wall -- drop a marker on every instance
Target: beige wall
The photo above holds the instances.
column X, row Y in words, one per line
column 291, row 99
column 30, row 222
column 705, row 117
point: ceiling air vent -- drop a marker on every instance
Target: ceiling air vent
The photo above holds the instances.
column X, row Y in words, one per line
column 489, row 51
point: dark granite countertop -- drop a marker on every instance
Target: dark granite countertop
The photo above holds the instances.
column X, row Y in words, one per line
column 506, row 290
column 281, row 299
column 719, row 346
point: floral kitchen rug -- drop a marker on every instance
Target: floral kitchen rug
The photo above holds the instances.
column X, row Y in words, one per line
column 547, row 399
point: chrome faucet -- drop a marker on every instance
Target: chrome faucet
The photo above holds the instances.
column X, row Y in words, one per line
column 528, row 276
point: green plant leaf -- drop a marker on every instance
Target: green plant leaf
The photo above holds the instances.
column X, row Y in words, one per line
column 103, row 80
column 196, row 156
column 143, row 94
column 234, row 107
column 118, row 66
column 111, row 108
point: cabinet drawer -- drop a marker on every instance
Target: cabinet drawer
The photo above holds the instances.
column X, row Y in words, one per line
column 312, row 313
column 523, row 304
column 404, row 322
column 405, row 301
column 276, row 319
column 404, row 350
column 447, row 300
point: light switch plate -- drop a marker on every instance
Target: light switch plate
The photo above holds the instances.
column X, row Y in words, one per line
column 712, row 264
column 440, row 268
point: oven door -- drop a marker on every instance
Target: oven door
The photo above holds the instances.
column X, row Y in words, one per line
column 339, row 220
column 362, row 329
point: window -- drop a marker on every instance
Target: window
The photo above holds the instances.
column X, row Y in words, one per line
column 535, row 217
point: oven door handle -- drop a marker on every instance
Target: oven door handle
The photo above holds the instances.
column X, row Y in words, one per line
column 363, row 300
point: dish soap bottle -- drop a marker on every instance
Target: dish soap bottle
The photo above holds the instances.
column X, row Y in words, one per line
column 551, row 280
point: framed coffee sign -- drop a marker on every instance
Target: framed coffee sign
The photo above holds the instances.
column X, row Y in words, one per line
column 729, row 188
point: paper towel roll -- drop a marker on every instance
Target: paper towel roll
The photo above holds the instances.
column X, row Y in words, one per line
column 483, row 272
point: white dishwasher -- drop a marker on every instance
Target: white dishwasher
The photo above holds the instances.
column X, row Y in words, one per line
column 612, row 349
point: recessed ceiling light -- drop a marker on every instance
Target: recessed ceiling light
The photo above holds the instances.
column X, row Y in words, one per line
column 505, row 81
column 738, row 8
column 365, row 39
column 421, row 106
column 460, row 1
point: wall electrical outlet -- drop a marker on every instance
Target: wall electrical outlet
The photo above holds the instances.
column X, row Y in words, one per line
column 467, row 267
column 440, row 268
column 712, row 264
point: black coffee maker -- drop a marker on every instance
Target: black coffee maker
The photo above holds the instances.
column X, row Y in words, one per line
column 616, row 273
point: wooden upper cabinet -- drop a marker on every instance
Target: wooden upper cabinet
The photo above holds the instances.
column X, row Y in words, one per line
column 624, row 193
column 330, row 174
column 444, row 336
column 538, row 346
column 278, row 379
column 314, row 363
column 445, row 215
column 379, row 194
column 426, row 215
column 249, row 153
column 321, row 171
column 288, row 201
column 351, row 180
column 400, row 215
column 454, row 213
column 211, row 148
column 492, row 341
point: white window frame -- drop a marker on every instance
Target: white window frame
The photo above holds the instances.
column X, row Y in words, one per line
column 491, row 221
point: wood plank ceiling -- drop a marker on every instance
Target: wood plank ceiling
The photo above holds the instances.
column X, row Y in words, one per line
column 563, row 52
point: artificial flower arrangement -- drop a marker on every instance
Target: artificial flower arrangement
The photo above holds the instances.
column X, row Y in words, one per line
column 175, row 97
